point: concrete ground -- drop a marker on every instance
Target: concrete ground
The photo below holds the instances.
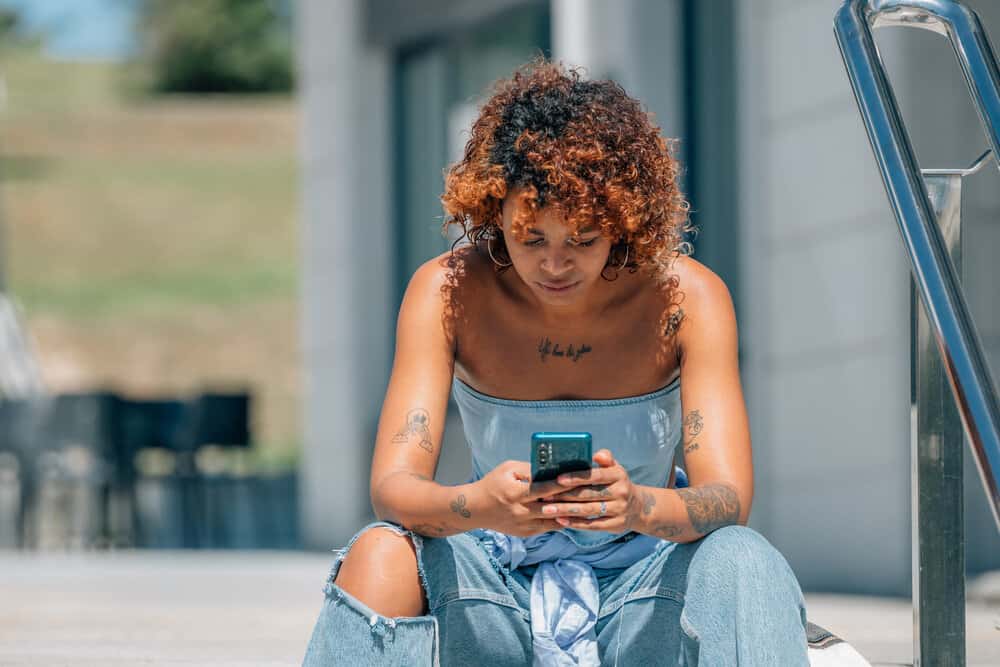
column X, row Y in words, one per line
column 258, row 608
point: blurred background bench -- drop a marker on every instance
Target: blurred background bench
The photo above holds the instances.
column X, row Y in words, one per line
column 101, row 470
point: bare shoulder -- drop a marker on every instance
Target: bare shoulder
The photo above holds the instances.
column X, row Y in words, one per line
column 699, row 300
column 447, row 287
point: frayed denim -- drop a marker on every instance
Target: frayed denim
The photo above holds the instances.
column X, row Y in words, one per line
column 727, row 599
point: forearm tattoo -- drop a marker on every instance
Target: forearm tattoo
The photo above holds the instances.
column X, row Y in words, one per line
column 546, row 348
column 416, row 430
column 458, row 506
column 711, row 506
column 693, row 423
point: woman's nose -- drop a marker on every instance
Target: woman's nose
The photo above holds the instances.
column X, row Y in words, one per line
column 556, row 261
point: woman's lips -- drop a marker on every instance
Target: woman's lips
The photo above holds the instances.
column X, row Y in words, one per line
column 565, row 287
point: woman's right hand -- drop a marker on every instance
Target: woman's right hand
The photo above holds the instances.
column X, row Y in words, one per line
column 511, row 504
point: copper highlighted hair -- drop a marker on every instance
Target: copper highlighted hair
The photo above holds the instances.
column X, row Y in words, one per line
column 586, row 148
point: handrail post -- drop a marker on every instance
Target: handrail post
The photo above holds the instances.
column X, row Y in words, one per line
column 950, row 380
column 936, row 435
column 962, row 357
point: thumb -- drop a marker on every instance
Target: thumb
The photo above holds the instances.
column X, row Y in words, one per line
column 522, row 471
column 604, row 458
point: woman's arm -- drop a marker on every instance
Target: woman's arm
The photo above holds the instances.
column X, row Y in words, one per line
column 716, row 431
column 411, row 424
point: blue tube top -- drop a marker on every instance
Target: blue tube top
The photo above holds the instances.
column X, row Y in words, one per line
column 642, row 433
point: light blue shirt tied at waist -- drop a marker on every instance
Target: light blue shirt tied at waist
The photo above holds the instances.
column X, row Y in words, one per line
column 642, row 433
column 564, row 591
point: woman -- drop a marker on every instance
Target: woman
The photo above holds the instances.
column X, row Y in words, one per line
column 573, row 305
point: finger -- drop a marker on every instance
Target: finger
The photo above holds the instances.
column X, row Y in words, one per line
column 554, row 510
column 591, row 476
column 606, row 524
column 604, row 458
column 581, row 493
column 548, row 524
column 545, row 489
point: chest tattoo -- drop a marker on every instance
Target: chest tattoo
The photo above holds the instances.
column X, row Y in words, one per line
column 546, row 348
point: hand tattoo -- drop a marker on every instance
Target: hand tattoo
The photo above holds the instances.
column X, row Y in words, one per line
column 601, row 490
column 712, row 506
column 416, row 428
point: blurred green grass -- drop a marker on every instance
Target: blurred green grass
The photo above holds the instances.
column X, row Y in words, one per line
column 152, row 242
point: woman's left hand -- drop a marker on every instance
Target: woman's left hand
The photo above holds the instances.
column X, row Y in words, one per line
column 605, row 493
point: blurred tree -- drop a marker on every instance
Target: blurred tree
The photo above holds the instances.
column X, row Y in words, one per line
column 8, row 22
column 217, row 46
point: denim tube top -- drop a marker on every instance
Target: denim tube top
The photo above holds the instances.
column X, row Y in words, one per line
column 642, row 433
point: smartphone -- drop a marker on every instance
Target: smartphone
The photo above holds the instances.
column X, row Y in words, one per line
column 553, row 453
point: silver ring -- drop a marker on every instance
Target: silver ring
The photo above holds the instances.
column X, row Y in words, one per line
column 604, row 507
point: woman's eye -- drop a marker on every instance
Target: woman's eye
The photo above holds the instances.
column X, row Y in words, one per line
column 580, row 244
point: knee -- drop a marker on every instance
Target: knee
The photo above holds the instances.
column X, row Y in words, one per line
column 741, row 553
column 381, row 568
column 376, row 549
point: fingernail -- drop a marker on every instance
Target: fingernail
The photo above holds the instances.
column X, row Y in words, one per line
column 563, row 479
column 549, row 509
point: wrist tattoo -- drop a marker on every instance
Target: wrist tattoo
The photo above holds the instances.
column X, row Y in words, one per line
column 712, row 506
column 667, row 530
column 458, row 506
column 648, row 501
column 416, row 430
column 434, row 530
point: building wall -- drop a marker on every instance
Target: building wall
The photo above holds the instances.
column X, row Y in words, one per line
column 945, row 130
column 826, row 283
column 346, row 286
column 821, row 280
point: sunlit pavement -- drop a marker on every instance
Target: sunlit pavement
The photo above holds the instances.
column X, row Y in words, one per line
column 258, row 608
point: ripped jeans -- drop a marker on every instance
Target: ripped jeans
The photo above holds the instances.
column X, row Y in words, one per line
column 727, row 599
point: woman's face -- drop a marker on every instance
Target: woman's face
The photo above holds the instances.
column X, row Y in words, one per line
column 557, row 266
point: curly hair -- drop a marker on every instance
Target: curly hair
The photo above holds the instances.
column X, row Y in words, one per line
column 585, row 147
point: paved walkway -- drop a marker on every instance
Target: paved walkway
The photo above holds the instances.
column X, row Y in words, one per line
column 258, row 608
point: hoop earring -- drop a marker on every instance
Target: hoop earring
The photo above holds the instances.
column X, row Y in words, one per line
column 625, row 261
column 489, row 249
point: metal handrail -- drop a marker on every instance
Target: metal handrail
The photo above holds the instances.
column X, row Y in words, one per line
column 933, row 272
